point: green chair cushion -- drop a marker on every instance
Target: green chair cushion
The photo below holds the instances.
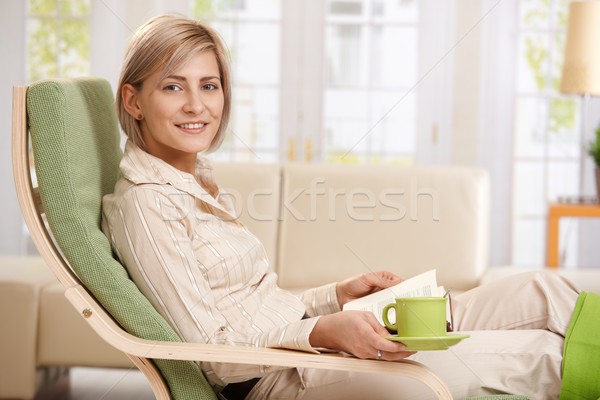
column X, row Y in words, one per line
column 581, row 354
column 75, row 141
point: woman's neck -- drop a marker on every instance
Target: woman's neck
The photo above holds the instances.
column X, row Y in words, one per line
column 185, row 162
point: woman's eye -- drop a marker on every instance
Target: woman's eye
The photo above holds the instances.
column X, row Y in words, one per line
column 172, row 88
column 210, row 86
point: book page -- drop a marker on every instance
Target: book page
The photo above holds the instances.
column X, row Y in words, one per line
column 422, row 285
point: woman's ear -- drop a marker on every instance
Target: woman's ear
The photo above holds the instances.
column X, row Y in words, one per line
column 129, row 95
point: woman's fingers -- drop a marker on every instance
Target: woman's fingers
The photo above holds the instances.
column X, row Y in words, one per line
column 392, row 350
column 395, row 356
column 364, row 336
column 379, row 280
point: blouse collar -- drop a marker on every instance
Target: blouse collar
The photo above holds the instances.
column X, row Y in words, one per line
column 141, row 167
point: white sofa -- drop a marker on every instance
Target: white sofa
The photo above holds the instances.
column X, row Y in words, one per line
column 318, row 223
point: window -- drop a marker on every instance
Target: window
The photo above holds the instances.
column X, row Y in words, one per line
column 340, row 71
column 371, row 62
column 546, row 150
column 252, row 31
column 58, row 38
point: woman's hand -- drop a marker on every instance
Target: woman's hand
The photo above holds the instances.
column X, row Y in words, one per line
column 358, row 333
column 362, row 285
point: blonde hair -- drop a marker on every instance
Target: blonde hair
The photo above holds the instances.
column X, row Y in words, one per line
column 166, row 42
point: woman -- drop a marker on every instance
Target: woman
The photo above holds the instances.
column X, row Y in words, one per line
column 208, row 275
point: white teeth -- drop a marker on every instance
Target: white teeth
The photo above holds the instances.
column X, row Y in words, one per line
column 191, row 126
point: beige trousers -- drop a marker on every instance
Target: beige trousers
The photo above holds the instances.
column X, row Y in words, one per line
column 517, row 328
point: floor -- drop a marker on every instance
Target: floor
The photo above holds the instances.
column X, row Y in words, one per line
column 108, row 384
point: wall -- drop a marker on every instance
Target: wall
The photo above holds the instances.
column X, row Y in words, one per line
column 477, row 128
column 12, row 37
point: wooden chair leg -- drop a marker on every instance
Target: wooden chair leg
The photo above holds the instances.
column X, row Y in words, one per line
column 157, row 383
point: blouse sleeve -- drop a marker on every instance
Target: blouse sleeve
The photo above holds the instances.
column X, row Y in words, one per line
column 150, row 233
column 321, row 300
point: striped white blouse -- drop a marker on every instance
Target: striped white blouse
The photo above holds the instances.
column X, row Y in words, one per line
column 207, row 275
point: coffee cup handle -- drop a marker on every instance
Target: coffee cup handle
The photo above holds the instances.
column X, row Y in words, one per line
column 384, row 315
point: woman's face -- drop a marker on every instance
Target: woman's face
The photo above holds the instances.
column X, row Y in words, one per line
column 182, row 112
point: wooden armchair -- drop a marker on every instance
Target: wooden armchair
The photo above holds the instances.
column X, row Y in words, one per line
column 66, row 138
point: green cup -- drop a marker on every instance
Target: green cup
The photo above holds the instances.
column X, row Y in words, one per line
column 417, row 316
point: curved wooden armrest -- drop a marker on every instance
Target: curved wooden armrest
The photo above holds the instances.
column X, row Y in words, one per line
column 104, row 325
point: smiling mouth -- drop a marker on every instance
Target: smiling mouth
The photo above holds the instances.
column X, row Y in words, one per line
column 191, row 126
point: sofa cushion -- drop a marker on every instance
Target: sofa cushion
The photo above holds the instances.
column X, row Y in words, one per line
column 21, row 281
column 65, row 338
column 342, row 220
column 254, row 190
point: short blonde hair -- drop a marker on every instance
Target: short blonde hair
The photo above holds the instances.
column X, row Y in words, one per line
column 166, row 42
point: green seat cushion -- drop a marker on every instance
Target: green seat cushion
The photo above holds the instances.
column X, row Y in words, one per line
column 76, row 145
column 581, row 354
column 498, row 397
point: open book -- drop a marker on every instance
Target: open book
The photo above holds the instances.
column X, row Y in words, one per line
column 423, row 285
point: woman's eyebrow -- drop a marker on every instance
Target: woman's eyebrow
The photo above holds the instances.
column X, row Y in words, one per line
column 184, row 79
column 176, row 77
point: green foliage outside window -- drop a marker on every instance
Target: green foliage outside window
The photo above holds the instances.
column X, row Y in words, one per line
column 58, row 39
column 207, row 10
column 202, row 9
column 546, row 67
column 563, row 115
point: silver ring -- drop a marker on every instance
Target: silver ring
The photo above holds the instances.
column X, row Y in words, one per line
column 379, row 354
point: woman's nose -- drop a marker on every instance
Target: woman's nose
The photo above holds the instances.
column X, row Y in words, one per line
column 193, row 104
